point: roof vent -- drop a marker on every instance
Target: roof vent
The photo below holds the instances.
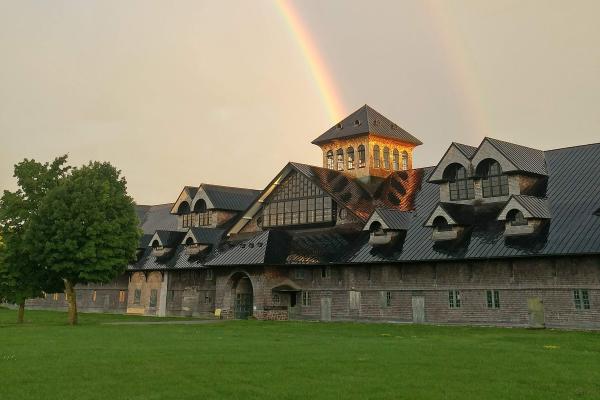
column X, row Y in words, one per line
column 339, row 126
column 251, row 245
column 356, row 123
column 376, row 122
column 259, row 244
column 394, row 126
column 243, row 245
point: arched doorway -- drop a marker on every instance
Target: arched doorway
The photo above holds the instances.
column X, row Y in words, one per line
column 242, row 295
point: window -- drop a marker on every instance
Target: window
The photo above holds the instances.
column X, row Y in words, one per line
column 388, row 299
column 461, row 187
column 326, row 272
column 55, row 296
column 330, row 159
column 209, row 275
column 493, row 299
column 350, row 157
column 516, row 218
column 121, row 296
column 170, row 295
column 454, row 299
column 153, row 297
column 361, row 156
column 386, row 158
column 376, row 159
column 184, row 211
column 298, row 201
column 207, row 299
column 306, row 299
column 94, row 296
column 340, row 159
column 186, row 220
column 137, row 296
column 493, row 182
column 275, row 299
column 404, row 160
column 582, row 299
column 396, row 160
column 441, row 224
column 299, row 273
column 202, row 212
column 155, row 244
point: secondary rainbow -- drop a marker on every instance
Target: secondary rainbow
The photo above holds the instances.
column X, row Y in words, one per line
column 315, row 61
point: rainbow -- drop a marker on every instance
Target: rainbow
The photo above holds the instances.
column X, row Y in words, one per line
column 316, row 63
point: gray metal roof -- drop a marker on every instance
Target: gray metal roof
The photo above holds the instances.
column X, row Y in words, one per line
column 170, row 239
column 264, row 247
column 153, row 218
column 207, row 235
column 395, row 219
column 537, row 206
column 468, row 151
column 366, row 120
column 524, row 158
column 230, row 198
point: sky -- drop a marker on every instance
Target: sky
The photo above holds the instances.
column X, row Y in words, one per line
column 227, row 92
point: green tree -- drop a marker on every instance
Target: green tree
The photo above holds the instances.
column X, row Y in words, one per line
column 21, row 277
column 86, row 229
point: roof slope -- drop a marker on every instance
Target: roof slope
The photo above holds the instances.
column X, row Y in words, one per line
column 153, row 218
column 369, row 121
column 537, row 206
column 395, row 219
column 230, row 198
column 468, row 151
column 524, row 158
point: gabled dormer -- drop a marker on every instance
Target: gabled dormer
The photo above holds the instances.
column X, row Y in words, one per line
column 164, row 242
column 449, row 221
column 524, row 215
column 197, row 240
column 367, row 145
column 386, row 226
column 489, row 173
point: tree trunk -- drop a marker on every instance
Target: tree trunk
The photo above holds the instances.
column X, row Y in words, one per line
column 70, row 291
column 21, row 312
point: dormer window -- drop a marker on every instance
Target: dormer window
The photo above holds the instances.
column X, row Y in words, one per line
column 330, row 159
column 340, row 159
column 493, row 182
column 204, row 215
column 189, row 241
column 441, row 224
column 186, row 216
column 350, row 157
column 516, row 218
column 461, row 187
column 156, row 245
column 362, row 159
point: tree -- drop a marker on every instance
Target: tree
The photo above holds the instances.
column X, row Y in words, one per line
column 21, row 277
column 86, row 229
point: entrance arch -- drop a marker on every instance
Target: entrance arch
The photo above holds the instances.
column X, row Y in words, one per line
column 242, row 295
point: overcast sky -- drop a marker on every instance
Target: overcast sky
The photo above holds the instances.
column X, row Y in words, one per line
column 177, row 93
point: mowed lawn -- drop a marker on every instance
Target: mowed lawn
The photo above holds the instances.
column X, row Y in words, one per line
column 45, row 359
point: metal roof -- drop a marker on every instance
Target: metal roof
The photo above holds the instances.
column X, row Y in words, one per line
column 230, row 198
column 524, row 158
column 395, row 219
column 156, row 217
column 366, row 120
column 207, row 235
column 468, row 151
column 537, row 206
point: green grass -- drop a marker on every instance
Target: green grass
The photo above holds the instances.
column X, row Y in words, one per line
column 45, row 359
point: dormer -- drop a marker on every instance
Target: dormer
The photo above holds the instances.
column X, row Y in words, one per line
column 449, row 221
column 367, row 145
column 163, row 242
column 386, row 226
column 524, row 215
column 197, row 240
column 183, row 207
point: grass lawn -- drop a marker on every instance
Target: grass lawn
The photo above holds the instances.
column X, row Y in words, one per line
column 45, row 359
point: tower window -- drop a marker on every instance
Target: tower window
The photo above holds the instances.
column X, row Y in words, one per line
column 493, row 182
column 396, row 160
column 361, row 156
column 350, row 157
column 340, row 159
column 376, row 157
column 386, row 158
column 404, row 160
column 330, row 159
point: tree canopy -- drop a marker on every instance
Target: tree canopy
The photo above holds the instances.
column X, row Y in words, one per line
column 86, row 229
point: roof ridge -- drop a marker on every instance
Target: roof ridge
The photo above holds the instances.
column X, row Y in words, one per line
column 514, row 144
column 227, row 187
column 572, row 147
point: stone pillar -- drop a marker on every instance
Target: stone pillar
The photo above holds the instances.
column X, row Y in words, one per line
column 162, row 300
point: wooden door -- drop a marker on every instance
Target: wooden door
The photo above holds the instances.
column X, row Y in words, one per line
column 325, row 308
column 536, row 312
column 418, row 309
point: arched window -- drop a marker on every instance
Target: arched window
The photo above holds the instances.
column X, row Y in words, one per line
column 493, row 182
column 376, row 228
column 200, row 206
column 155, row 244
column 184, row 208
column 386, row 158
column 404, row 160
column 350, row 157
column 361, row 156
column 396, row 160
column 461, row 186
column 516, row 218
column 330, row 159
column 185, row 212
column 340, row 159
column 441, row 224
column 376, row 159
column 189, row 241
